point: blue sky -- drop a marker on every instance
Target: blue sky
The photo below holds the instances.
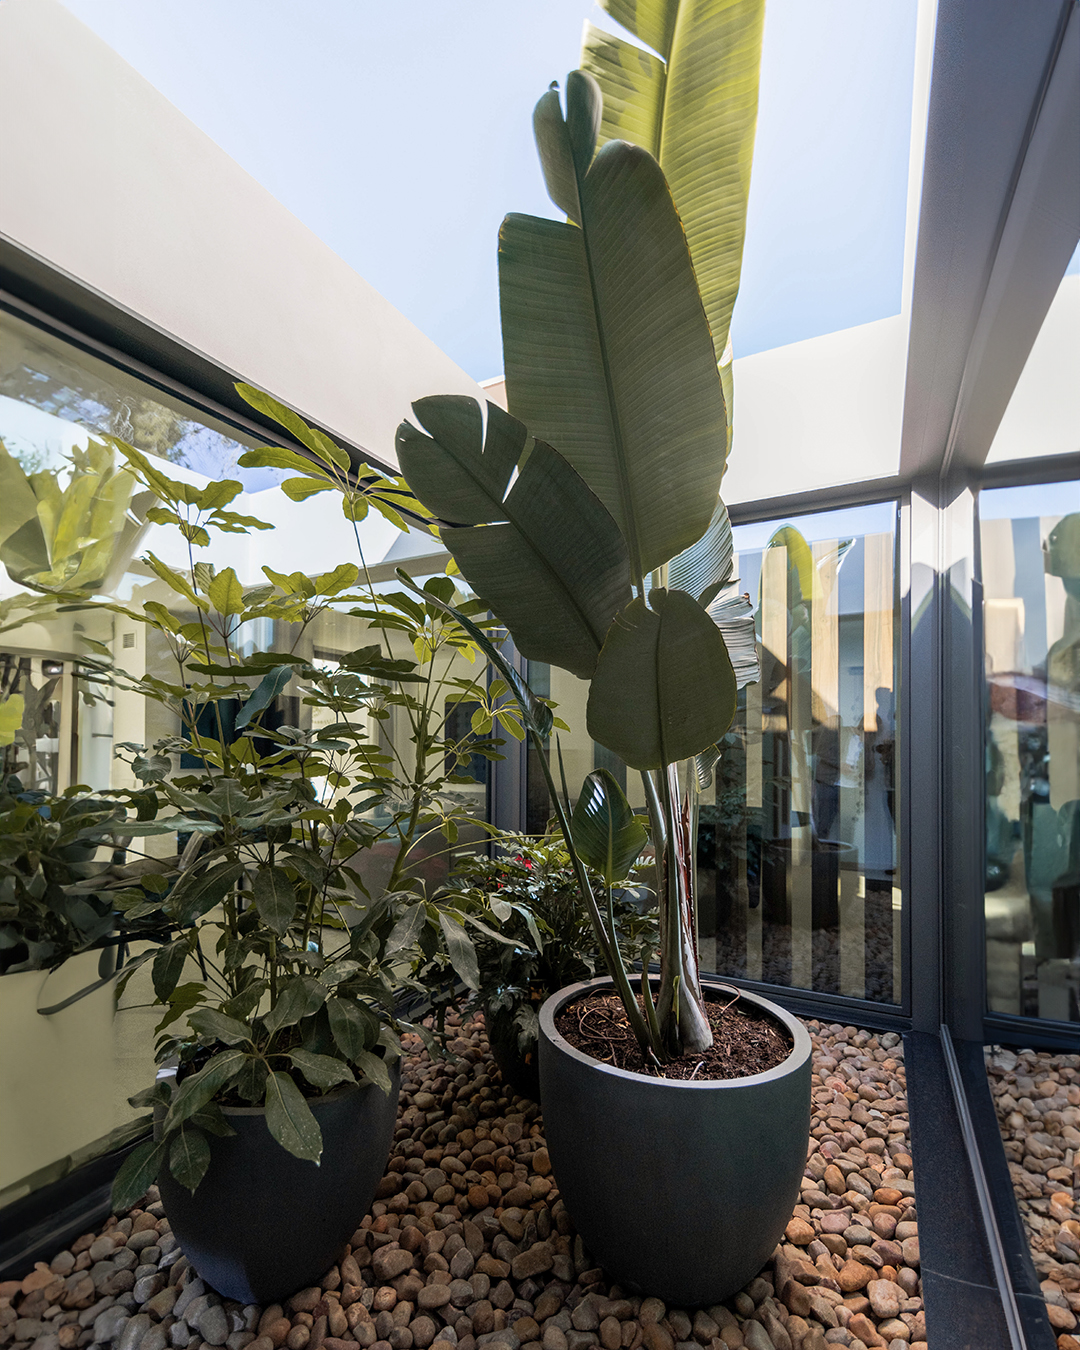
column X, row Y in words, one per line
column 400, row 133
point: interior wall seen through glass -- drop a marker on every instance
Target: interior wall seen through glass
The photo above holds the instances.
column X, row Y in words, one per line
column 1030, row 549
column 798, row 879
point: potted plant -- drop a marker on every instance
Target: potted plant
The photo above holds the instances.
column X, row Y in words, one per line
column 281, row 987
column 528, row 892
column 608, row 553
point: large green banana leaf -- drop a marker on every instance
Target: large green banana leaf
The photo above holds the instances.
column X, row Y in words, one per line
column 608, row 835
column 608, row 354
column 545, row 555
column 693, row 106
column 664, row 688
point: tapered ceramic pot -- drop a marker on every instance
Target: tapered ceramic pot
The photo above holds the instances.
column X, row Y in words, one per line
column 263, row 1224
column 680, row 1189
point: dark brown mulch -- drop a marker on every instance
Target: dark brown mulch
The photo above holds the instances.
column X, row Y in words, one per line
column 745, row 1041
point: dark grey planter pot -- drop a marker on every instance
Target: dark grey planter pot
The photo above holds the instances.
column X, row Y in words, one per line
column 679, row 1189
column 263, row 1224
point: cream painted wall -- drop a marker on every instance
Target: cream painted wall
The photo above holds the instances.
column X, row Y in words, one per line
column 104, row 179
column 1043, row 416
column 817, row 413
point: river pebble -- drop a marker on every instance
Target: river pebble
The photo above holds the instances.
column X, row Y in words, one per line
column 1037, row 1099
column 468, row 1243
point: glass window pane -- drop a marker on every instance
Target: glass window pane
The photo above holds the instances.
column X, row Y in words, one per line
column 797, row 872
column 1030, row 546
column 72, row 517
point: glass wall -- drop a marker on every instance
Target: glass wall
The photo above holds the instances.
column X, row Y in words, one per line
column 797, row 875
column 73, row 519
column 1030, row 546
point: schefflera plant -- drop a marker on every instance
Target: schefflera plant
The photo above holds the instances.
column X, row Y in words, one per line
column 591, row 521
column 283, row 975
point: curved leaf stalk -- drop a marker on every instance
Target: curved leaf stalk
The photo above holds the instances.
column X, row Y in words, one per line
column 610, row 949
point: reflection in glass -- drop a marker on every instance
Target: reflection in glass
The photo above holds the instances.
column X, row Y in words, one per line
column 1030, row 545
column 797, row 857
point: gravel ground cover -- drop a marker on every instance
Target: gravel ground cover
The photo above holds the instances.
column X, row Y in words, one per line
column 469, row 1245
column 1037, row 1098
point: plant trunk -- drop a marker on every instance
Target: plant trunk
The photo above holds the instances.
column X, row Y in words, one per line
column 684, row 1027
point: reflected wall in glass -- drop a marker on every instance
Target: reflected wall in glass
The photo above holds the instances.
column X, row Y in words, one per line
column 797, row 874
column 1030, row 547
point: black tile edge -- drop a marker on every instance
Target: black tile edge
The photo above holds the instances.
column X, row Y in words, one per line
column 953, row 1249
column 961, row 1315
column 42, row 1223
column 1014, row 1242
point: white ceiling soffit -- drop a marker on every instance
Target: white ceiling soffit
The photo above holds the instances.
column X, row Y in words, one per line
column 1000, row 219
column 106, row 181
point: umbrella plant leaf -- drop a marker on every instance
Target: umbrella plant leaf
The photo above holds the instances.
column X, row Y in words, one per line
column 138, row 1172
column 536, row 715
column 289, row 1118
column 169, row 966
column 268, row 688
column 189, row 1157
column 196, row 894
column 664, row 688
column 275, row 898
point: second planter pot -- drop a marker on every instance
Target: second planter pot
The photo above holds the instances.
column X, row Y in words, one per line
column 679, row 1188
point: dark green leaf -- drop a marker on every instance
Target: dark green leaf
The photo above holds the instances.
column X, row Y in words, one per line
column 195, row 895
column 268, row 688
column 355, row 1028
column 275, row 898
column 545, row 555
column 607, row 834
column 460, row 949
column 189, row 1157
column 664, row 688
column 608, row 354
column 169, row 966
column 298, row 997
column 289, row 1119
column 374, row 1068
column 227, row 1030
column 137, row 1173
column 194, row 1092
column 322, row 1071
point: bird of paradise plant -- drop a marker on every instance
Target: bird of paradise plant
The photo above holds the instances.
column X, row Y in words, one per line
column 590, row 519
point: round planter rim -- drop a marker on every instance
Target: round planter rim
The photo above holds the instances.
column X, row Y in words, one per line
column 800, row 1049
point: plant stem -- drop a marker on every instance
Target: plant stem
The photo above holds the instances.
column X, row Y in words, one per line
column 612, row 956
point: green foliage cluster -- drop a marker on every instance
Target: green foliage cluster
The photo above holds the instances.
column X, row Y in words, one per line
column 280, row 973
column 54, row 899
column 530, row 895
column 589, row 518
